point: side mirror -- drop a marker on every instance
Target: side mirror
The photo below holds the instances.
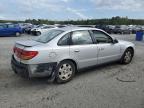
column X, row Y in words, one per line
column 115, row 41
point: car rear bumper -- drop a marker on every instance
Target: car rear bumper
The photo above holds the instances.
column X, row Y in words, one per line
column 19, row 68
column 30, row 71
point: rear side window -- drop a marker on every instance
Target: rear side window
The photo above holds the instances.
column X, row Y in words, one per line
column 11, row 26
column 64, row 40
column 101, row 37
column 81, row 38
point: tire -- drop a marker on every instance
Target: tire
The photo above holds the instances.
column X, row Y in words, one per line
column 38, row 33
column 127, row 56
column 15, row 72
column 65, row 71
column 17, row 34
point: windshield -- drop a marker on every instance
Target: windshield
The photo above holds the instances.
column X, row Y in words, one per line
column 46, row 37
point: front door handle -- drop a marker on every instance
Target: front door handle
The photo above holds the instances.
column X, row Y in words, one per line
column 76, row 51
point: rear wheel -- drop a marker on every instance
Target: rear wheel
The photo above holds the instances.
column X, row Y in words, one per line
column 17, row 34
column 127, row 56
column 65, row 71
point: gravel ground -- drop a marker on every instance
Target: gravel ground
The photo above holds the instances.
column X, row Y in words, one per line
column 108, row 86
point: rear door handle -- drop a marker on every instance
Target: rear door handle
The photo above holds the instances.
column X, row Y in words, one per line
column 76, row 51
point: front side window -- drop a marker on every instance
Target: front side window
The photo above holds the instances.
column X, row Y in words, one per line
column 48, row 36
column 11, row 26
column 101, row 37
column 4, row 26
column 81, row 38
column 1, row 27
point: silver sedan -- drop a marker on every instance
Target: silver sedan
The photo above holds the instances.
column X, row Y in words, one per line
column 61, row 52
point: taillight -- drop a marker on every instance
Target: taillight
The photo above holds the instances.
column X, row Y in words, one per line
column 27, row 55
column 17, row 51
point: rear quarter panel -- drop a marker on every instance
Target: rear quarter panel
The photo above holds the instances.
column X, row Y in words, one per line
column 42, row 57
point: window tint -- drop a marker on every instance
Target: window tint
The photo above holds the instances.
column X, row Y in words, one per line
column 4, row 26
column 1, row 27
column 81, row 37
column 11, row 26
column 64, row 40
column 101, row 37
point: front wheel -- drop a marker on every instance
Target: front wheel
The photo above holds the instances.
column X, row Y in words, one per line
column 65, row 71
column 127, row 56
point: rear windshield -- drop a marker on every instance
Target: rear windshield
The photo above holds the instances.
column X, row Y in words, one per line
column 48, row 36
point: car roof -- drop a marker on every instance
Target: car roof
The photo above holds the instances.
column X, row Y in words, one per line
column 76, row 28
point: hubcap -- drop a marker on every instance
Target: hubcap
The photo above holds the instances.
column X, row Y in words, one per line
column 65, row 71
column 17, row 34
column 128, row 56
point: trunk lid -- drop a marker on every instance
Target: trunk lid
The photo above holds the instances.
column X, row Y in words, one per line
column 28, row 43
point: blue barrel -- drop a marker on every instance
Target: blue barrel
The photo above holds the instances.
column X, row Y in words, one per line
column 139, row 36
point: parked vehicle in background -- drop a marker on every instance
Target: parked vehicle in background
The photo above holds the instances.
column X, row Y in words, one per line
column 24, row 26
column 44, row 28
column 60, row 25
column 135, row 28
column 38, row 26
column 122, row 29
column 142, row 28
column 103, row 27
column 10, row 30
column 41, row 29
column 108, row 28
column 60, row 52
column 85, row 26
column 29, row 28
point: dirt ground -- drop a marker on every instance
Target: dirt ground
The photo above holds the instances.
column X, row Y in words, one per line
column 108, row 86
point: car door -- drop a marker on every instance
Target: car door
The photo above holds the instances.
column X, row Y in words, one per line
column 3, row 30
column 107, row 49
column 7, row 30
column 11, row 29
column 82, row 49
column 62, row 50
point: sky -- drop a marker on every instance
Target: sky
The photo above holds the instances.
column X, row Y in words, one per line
column 70, row 9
